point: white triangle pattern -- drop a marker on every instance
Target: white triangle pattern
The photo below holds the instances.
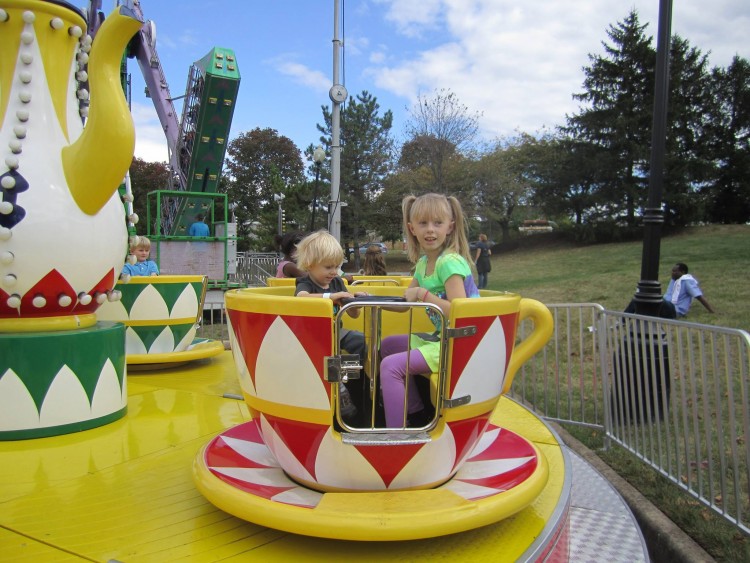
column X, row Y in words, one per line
column 246, row 382
column 66, row 401
column 483, row 376
column 284, row 372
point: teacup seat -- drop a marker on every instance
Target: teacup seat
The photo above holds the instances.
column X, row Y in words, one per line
column 283, row 348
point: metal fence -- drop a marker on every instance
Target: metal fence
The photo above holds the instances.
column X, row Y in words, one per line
column 675, row 394
column 253, row 268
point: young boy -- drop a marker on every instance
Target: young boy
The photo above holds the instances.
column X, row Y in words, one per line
column 140, row 247
column 320, row 255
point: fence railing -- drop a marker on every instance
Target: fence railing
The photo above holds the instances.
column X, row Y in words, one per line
column 253, row 268
column 675, row 394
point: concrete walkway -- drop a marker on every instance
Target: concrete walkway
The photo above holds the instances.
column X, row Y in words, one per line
column 665, row 540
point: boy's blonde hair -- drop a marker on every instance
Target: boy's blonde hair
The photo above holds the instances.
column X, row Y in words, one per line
column 317, row 248
column 139, row 242
column 431, row 207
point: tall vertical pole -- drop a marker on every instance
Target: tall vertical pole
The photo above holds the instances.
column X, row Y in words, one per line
column 648, row 295
column 334, row 209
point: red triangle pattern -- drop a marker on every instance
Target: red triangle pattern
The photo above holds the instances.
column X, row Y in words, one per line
column 316, row 336
column 219, row 454
column 300, row 437
column 389, row 462
column 51, row 286
column 465, row 435
column 224, row 456
column 313, row 333
column 512, row 447
column 250, row 329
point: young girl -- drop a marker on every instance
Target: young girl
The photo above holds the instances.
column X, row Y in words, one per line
column 287, row 245
column 140, row 247
column 374, row 262
column 434, row 227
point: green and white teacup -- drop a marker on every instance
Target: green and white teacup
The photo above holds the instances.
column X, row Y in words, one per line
column 161, row 313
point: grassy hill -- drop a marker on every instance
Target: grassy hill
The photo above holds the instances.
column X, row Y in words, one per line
column 558, row 272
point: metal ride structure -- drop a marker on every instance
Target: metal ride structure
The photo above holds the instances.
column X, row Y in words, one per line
column 196, row 143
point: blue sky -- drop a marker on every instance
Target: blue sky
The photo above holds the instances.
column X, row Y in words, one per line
column 516, row 63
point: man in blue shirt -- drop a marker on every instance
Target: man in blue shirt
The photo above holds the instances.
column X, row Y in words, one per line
column 199, row 228
column 682, row 289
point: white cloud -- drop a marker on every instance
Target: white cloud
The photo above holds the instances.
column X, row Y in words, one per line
column 150, row 141
column 520, row 63
column 305, row 75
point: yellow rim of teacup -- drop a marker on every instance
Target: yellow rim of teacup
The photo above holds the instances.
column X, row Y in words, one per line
column 42, row 324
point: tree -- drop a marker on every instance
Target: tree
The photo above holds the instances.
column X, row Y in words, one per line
column 619, row 98
column 687, row 163
column 504, row 180
column 260, row 164
column 569, row 174
column 146, row 177
column 365, row 161
column 439, row 129
column 729, row 198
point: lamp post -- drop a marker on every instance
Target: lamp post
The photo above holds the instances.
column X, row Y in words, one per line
column 648, row 294
column 319, row 155
column 279, row 198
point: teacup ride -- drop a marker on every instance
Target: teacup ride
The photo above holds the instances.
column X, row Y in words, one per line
column 161, row 315
column 299, row 466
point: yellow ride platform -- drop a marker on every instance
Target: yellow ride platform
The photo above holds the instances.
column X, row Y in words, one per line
column 125, row 491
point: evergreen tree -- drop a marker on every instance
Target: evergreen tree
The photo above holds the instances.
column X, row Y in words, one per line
column 729, row 197
column 365, row 161
column 687, row 164
column 617, row 116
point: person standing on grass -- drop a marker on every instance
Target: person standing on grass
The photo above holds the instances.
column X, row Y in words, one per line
column 682, row 289
column 482, row 261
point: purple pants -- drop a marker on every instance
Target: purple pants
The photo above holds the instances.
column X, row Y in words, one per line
column 393, row 353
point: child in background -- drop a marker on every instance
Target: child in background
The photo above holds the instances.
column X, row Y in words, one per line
column 320, row 255
column 140, row 247
column 374, row 262
column 287, row 245
column 436, row 239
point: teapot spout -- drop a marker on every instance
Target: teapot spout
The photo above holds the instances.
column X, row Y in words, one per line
column 96, row 163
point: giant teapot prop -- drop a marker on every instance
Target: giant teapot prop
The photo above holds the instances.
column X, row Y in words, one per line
column 62, row 228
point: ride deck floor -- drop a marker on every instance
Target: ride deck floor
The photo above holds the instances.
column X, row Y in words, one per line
column 125, row 492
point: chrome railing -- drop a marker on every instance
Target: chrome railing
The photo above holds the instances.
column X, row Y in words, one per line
column 676, row 394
